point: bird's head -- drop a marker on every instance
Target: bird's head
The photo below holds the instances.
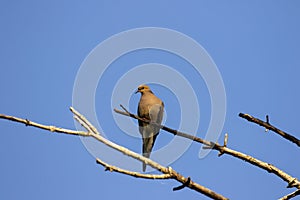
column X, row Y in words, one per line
column 143, row 88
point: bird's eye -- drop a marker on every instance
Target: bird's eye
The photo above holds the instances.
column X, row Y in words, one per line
column 141, row 88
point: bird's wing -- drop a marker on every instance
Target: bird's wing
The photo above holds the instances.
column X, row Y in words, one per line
column 156, row 112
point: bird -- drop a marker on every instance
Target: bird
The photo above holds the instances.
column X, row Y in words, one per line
column 150, row 107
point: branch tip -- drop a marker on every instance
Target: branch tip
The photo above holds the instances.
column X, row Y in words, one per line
column 225, row 140
column 267, row 119
column 71, row 109
column 186, row 183
column 124, row 109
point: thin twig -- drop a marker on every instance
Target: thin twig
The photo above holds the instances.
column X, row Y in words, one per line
column 41, row 126
column 112, row 168
column 292, row 181
column 291, row 195
column 224, row 145
column 268, row 126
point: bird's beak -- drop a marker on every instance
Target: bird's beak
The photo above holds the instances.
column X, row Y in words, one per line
column 137, row 91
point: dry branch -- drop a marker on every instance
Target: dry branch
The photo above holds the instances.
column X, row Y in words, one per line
column 41, row 126
column 291, row 195
column 292, row 181
column 268, row 126
column 174, row 175
column 112, row 168
column 168, row 173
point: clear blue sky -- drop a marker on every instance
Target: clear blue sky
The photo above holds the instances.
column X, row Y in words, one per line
column 255, row 45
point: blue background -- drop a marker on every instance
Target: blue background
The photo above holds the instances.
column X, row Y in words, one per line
column 255, row 45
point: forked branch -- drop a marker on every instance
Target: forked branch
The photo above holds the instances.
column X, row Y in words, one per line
column 292, row 181
column 167, row 172
column 268, row 126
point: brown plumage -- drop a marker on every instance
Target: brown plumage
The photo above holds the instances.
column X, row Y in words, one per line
column 151, row 108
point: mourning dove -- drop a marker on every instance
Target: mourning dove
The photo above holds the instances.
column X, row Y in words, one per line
column 151, row 108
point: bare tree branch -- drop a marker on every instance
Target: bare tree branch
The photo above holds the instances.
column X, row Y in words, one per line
column 174, row 175
column 292, row 181
column 291, row 195
column 268, row 126
column 168, row 173
column 131, row 173
column 41, row 126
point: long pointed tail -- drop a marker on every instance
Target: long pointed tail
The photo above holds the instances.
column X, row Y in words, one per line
column 147, row 148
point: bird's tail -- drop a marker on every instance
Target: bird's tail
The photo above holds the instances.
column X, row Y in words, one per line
column 147, row 148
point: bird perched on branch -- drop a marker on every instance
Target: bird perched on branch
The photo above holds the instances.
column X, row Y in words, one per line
column 151, row 108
